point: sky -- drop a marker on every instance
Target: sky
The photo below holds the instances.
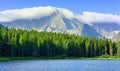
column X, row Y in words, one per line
column 76, row 6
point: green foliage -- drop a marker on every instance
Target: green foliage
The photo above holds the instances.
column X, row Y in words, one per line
column 118, row 49
column 23, row 43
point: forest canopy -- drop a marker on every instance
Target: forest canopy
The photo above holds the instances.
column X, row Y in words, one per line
column 24, row 43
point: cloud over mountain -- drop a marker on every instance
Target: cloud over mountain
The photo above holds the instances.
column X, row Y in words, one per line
column 32, row 13
column 39, row 12
column 93, row 17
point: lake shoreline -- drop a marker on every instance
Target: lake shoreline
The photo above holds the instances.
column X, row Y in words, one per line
column 54, row 58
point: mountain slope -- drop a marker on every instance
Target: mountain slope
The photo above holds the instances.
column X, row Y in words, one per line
column 116, row 38
column 107, row 29
column 1, row 25
column 89, row 31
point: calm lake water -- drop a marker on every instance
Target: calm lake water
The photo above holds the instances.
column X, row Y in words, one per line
column 61, row 65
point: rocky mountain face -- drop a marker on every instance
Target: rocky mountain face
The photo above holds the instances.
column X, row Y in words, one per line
column 116, row 38
column 108, row 30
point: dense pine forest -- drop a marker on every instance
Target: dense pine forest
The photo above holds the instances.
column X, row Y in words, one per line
column 23, row 43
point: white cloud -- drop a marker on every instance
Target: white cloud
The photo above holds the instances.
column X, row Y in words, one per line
column 93, row 17
column 27, row 13
column 39, row 12
column 32, row 13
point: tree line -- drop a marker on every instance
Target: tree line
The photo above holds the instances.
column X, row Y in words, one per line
column 24, row 43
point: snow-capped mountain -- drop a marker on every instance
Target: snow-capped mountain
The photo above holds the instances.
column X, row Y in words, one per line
column 109, row 30
column 116, row 37
column 61, row 20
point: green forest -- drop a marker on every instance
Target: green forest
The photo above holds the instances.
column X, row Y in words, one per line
column 25, row 43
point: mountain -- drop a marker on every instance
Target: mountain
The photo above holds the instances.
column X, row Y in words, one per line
column 90, row 31
column 1, row 25
column 52, row 23
column 116, row 38
column 52, row 19
column 55, row 22
column 107, row 29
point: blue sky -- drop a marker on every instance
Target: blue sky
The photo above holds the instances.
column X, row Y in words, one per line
column 77, row 6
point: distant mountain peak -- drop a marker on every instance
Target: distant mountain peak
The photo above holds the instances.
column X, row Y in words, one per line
column 116, row 38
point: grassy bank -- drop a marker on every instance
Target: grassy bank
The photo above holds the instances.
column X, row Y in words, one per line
column 30, row 58
column 59, row 57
